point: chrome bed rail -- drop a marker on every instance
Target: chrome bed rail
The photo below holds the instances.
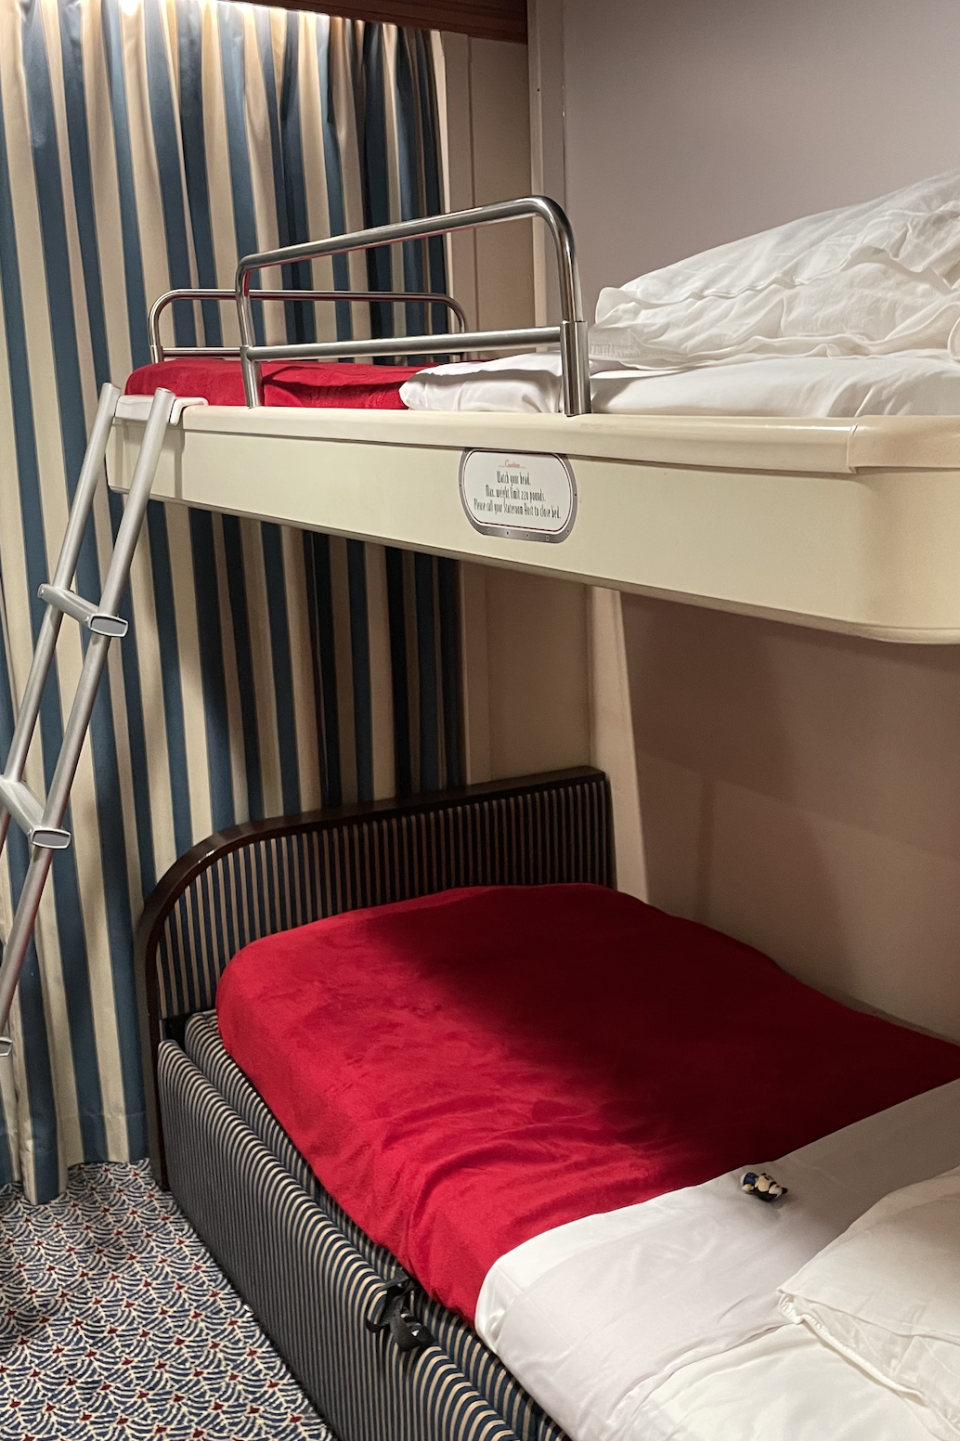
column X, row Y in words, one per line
column 570, row 334
column 160, row 352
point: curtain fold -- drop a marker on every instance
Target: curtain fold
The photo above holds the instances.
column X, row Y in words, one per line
column 147, row 144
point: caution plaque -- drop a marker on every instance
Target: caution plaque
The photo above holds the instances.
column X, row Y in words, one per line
column 518, row 496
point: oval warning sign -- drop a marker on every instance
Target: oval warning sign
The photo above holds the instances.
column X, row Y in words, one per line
column 517, row 495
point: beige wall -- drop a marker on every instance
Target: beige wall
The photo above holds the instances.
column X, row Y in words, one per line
column 526, row 650
column 693, row 122
column 799, row 790
column 802, row 791
column 488, row 159
column 524, row 638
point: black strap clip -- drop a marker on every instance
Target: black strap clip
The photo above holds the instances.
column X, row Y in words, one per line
column 408, row 1333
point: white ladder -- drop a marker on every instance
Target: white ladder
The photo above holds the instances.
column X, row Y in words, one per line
column 42, row 822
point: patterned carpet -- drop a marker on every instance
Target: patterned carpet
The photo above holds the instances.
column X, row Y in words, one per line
column 115, row 1322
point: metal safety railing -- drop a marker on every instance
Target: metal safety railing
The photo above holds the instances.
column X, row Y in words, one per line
column 570, row 334
column 160, row 352
column 42, row 820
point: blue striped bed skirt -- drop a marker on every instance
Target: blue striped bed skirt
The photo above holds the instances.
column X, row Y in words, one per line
column 313, row 1277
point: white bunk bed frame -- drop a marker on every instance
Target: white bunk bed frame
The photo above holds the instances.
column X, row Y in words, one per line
column 843, row 525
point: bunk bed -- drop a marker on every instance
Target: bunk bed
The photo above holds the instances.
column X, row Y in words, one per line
column 846, row 524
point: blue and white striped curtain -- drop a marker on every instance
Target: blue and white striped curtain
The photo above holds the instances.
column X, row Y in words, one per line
column 146, row 144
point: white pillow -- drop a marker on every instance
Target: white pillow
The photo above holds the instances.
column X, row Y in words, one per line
column 886, row 1294
column 870, row 279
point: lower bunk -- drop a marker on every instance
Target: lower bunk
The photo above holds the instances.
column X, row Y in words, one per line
column 540, row 1095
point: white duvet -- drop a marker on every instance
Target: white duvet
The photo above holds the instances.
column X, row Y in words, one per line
column 599, row 1318
column 877, row 278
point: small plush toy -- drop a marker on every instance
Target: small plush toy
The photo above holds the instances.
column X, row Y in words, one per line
column 764, row 1187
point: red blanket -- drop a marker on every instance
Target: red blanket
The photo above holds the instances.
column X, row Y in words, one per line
column 465, row 1071
column 313, row 383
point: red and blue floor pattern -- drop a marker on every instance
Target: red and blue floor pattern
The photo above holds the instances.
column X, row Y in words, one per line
column 115, row 1323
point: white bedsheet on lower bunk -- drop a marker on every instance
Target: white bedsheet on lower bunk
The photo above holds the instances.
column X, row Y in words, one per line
column 783, row 1386
column 598, row 1318
column 912, row 383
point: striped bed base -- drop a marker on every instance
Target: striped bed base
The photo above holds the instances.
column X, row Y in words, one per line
column 313, row 1277
column 310, row 1274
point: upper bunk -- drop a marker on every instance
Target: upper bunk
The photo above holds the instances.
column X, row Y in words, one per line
column 845, row 523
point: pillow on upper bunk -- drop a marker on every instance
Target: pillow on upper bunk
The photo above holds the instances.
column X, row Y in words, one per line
column 886, row 1294
column 871, row 279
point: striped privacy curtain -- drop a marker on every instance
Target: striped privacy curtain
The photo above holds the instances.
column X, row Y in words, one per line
column 146, row 144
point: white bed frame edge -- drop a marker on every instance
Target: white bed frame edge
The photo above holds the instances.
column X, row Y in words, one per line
column 843, row 525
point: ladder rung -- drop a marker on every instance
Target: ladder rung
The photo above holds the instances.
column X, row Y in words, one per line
column 28, row 814
column 84, row 611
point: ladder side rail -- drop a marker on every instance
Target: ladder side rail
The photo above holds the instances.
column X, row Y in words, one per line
column 29, row 709
column 136, row 507
column 18, row 941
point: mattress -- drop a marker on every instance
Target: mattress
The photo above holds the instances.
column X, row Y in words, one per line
column 915, row 383
column 807, row 386
column 220, row 382
column 469, row 1070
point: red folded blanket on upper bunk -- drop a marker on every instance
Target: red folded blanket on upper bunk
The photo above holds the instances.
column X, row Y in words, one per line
column 468, row 1070
column 312, row 383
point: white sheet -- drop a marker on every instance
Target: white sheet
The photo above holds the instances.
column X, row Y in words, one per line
column 593, row 1317
column 783, row 1386
column 918, row 383
column 886, row 1295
